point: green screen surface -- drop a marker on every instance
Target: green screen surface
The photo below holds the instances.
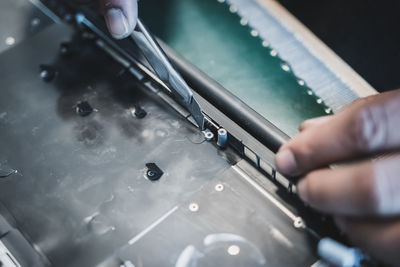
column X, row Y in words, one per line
column 207, row 34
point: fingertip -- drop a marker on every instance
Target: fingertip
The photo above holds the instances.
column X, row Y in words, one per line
column 302, row 190
column 121, row 17
column 313, row 122
column 117, row 23
column 286, row 161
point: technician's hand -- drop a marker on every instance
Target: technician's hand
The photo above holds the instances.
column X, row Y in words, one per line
column 364, row 194
column 120, row 16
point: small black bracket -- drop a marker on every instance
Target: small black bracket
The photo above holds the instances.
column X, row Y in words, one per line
column 83, row 109
column 153, row 172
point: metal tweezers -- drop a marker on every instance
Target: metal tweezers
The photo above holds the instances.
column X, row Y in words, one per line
column 166, row 72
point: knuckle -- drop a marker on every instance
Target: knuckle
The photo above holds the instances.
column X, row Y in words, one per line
column 368, row 128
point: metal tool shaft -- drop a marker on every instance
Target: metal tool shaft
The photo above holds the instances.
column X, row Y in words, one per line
column 166, row 72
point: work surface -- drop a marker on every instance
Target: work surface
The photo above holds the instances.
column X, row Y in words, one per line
column 81, row 192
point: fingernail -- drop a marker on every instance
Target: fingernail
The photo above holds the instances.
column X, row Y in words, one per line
column 286, row 162
column 302, row 190
column 117, row 23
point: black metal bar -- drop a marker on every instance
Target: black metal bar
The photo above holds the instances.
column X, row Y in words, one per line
column 238, row 111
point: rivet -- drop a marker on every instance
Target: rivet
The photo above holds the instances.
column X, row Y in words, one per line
column 193, row 207
column 299, row 223
column 10, row 40
column 219, row 187
column 209, row 136
column 233, row 250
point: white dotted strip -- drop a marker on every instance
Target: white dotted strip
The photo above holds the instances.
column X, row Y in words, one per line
column 330, row 101
column 284, row 65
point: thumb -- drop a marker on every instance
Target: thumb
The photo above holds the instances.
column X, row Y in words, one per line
column 121, row 16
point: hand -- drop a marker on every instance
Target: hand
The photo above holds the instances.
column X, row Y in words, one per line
column 120, row 16
column 363, row 194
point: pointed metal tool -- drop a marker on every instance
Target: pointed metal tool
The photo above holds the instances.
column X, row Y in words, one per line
column 166, row 72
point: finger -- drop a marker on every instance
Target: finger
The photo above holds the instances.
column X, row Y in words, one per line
column 381, row 239
column 368, row 188
column 367, row 126
column 344, row 191
column 121, row 16
column 313, row 122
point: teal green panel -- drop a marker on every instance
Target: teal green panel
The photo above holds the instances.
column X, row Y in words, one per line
column 208, row 35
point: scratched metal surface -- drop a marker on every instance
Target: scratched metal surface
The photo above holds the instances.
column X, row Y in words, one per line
column 80, row 191
column 234, row 225
column 207, row 34
column 80, row 194
column 19, row 19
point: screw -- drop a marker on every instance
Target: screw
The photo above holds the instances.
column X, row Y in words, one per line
column 47, row 73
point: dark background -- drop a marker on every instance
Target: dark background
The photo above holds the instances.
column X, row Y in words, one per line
column 365, row 33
